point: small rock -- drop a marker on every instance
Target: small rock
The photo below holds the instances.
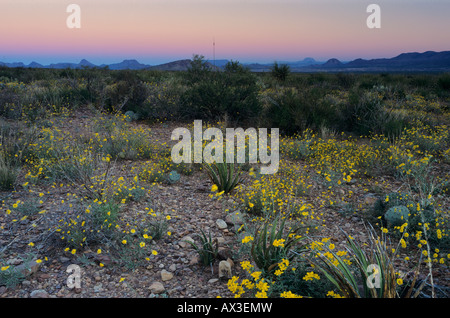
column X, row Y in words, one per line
column 184, row 241
column 28, row 268
column 165, row 275
column 44, row 276
column 194, row 260
column 213, row 280
column 39, row 293
column 370, row 199
column 173, row 267
column 14, row 261
column 220, row 240
column 221, row 224
column 103, row 258
column 224, row 253
column 98, row 288
column 2, row 290
column 64, row 259
column 224, row 270
column 61, row 292
column 157, row 288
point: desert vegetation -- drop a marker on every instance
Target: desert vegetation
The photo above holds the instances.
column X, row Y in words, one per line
column 362, row 191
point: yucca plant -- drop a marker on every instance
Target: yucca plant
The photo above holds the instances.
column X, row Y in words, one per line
column 208, row 249
column 272, row 243
column 371, row 273
column 224, row 175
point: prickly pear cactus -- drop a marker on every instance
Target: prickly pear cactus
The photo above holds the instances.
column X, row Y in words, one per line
column 397, row 215
column 130, row 116
column 173, row 176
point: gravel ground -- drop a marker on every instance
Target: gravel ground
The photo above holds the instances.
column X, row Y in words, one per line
column 175, row 272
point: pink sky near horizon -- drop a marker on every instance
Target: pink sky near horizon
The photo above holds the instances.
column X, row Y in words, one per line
column 157, row 31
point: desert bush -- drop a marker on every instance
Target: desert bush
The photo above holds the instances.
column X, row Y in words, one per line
column 280, row 72
column 364, row 114
column 296, row 148
column 127, row 92
column 8, row 174
column 10, row 97
column 163, row 100
column 213, row 95
column 198, row 70
column 14, row 144
column 295, row 111
column 94, row 225
column 9, row 276
column 444, row 82
column 345, row 80
column 300, row 279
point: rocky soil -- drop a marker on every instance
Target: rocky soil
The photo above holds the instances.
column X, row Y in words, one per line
column 175, row 272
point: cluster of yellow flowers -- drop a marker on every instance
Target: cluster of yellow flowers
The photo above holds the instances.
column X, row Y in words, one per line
column 324, row 250
column 257, row 285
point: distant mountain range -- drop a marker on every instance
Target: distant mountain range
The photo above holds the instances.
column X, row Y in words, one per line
column 429, row 61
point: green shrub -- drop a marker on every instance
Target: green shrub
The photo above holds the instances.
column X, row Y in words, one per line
column 127, row 92
column 164, row 99
column 8, row 174
column 198, row 70
column 295, row 111
column 213, row 96
column 293, row 280
column 364, row 113
column 9, row 276
column 444, row 82
column 280, row 72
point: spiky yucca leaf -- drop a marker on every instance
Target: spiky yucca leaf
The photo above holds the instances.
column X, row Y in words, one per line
column 224, row 175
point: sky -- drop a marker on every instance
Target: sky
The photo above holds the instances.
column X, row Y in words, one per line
column 160, row 31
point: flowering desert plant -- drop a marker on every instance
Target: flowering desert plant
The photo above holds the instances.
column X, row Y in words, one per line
column 370, row 273
column 224, row 175
column 9, row 276
column 271, row 244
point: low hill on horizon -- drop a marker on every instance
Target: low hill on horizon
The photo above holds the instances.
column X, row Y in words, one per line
column 413, row 61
